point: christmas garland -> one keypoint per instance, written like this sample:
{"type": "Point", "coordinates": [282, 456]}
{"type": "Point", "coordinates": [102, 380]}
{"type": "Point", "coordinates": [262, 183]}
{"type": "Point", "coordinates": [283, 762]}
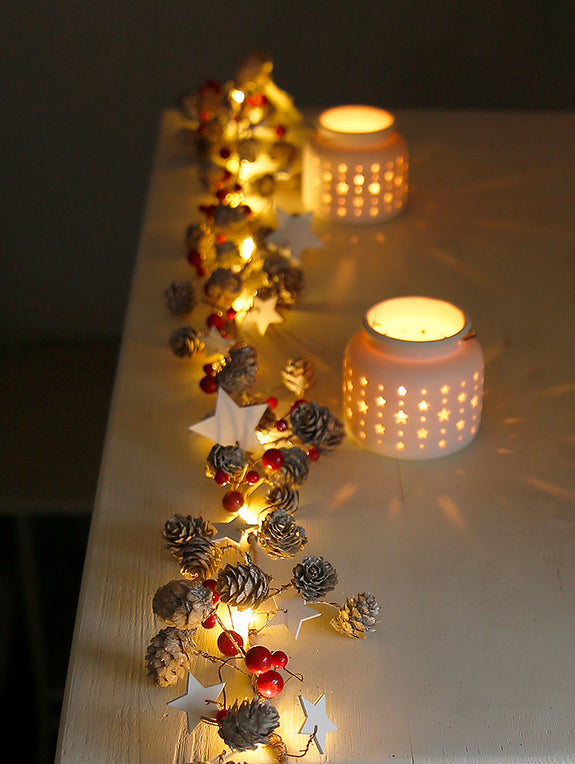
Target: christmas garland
{"type": "Point", "coordinates": [246, 137]}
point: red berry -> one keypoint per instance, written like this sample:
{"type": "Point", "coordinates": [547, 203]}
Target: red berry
{"type": "Point", "coordinates": [252, 477]}
{"type": "Point", "coordinates": [297, 403]}
{"type": "Point", "coordinates": [279, 659]}
{"type": "Point", "coordinates": [209, 370]}
{"type": "Point", "coordinates": [216, 321]}
{"type": "Point", "coordinates": [272, 402]}
{"type": "Point", "coordinates": [313, 454]}
{"type": "Point", "coordinates": [280, 131]}
{"type": "Point", "coordinates": [270, 684]}
{"type": "Point", "coordinates": [281, 425]}
{"type": "Point", "coordinates": [225, 153]}
{"type": "Point", "coordinates": [231, 314]}
{"type": "Point", "coordinates": [210, 583]}
{"type": "Point", "coordinates": [229, 643]}
{"type": "Point", "coordinates": [222, 478]}
{"type": "Point", "coordinates": [258, 659]}
{"type": "Point", "coordinates": [210, 622]}
{"type": "Point", "coordinates": [273, 459]}
{"type": "Point", "coordinates": [208, 385]}
{"type": "Point", "coordinates": [205, 115]}
{"type": "Point", "coordinates": [232, 501]}
{"type": "Point", "coordinates": [222, 713]}
{"type": "Point", "coordinates": [194, 257]}
{"type": "Point", "coordinates": [220, 238]}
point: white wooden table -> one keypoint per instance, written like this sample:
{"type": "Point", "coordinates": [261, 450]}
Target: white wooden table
{"type": "Point", "coordinates": [471, 556]}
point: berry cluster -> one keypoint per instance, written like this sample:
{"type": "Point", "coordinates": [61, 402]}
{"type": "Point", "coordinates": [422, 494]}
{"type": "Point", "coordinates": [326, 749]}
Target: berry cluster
{"type": "Point", "coordinates": [263, 664]}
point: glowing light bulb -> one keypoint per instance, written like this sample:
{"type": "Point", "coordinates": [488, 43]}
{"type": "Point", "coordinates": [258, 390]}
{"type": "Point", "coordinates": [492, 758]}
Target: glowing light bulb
{"type": "Point", "coordinates": [247, 248]}
{"type": "Point", "coordinates": [248, 514]}
{"type": "Point", "coordinates": [238, 96]}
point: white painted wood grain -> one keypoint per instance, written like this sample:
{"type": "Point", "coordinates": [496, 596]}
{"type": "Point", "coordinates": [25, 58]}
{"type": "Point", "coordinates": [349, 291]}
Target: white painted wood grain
{"type": "Point", "coordinates": [471, 557]}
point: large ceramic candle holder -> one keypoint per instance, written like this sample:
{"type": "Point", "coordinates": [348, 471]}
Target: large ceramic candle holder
{"type": "Point", "coordinates": [413, 379]}
{"type": "Point", "coordinates": [355, 166]}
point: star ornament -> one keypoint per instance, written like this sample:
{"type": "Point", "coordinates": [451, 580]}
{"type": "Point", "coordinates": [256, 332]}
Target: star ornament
{"type": "Point", "coordinates": [316, 718]}
{"type": "Point", "coordinates": [215, 344]}
{"type": "Point", "coordinates": [263, 313]}
{"type": "Point", "coordinates": [234, 530]}
{"type": "Point", "coordinates": [231, 424]}
{"type": "Point", "coordinates": [292, 612]}
{"type": "Point", "coordinates": [194, 701]}
{"type": "Point", "coordinates": [294, 233]}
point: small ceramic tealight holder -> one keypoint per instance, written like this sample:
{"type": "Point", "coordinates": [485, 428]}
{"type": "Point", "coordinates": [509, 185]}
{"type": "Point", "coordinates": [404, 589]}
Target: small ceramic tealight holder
{"type": "Point", "coordinates": [355, 166]}
{"type": "Point", "coordinates": [413, 379]}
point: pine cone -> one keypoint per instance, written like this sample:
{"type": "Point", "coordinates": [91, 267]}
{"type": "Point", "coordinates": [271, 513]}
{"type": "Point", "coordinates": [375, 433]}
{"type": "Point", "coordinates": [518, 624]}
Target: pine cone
{"type": "Point", "coordinates": [194, 236]}
{"type": "Point", "coordinates": [295, 468]}
{"type": "Point", "coordinates": [186, 342]}
{"type": "Point", "coordinates": [248, 149]}
{"type": "Point", "coordinates": [179, 530]}
{"type": "Point", "coordinates": [316, 426]}
{"type": "Point", "coordinates": [228, 459]}
{"type": "Point", "coordinates": [243, 586]}
{"type": "Point", "coordinates": [224, 216]}
{"type": "Point", "coordinates": [239, 372]}
{"type": "Point", "coordinates": [298, 375]}
{"type": "Point", "coordinates": [289, 286]}
{"type": "Point", "coordinates": [248, 724]}
{"type": "Point", "coordinates": [223, 287]}
{"type": "Point", "coordinates": [227, 254]}
{"type": "Point", "coordinates": [168, 656]}
{"type": "Point", "coordinates": [357, 616]}
{"type": "Point", "coordinates": [314, 577]}
{"type": "Point", "coordinates": [275, 263]}
{"type": "Point", "coordinates": [282, 497]}
{"type": "Point", "coordinates": [280, 537]}
{"type": "Point", "coordinates": [180, 297]}
{"type": "Point", "coordinates": [182, 604]}
{"type": "Point", "coordinates": [199, 558]}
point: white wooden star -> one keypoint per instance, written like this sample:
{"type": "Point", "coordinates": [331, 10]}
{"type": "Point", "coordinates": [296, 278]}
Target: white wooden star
{"type": "Point", "coordinates": [194, 701]}
{"type": "Point", "coordinates": [216, 344]}
{"type": "Point", "coordinates": [294, 233]}
{"type": "Point", "coordinates": [231, 424]}
{"type": "Point", "coordinates": [316, 716]}
{"type": "Point", "coordinates": [233, 530]}
{"type": "Point", "coordinates": [263, 313]}
{"type": "Point", "coordinates": [292, 612]}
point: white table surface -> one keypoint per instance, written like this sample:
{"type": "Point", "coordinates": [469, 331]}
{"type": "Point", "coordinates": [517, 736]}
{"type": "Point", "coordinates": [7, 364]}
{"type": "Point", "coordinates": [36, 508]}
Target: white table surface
{"type": "Point", "coordinates": [471, 556]}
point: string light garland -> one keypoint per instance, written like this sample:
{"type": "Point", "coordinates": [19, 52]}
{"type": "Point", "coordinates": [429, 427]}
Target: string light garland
{"type": "Point", "coordinates": [245, 135]}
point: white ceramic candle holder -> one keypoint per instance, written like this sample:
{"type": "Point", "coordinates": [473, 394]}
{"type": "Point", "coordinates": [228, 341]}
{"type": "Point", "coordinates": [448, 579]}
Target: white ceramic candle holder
{"type": "Point", "coordinates": [413, 379]}
{"type": "Point", "coordinates": [355, 166]}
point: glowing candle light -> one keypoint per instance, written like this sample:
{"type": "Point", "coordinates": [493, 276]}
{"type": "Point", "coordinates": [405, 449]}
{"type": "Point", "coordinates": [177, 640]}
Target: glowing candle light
{"type": "Point", "coordinates": [355, 166]}
{"type": "Point", "coordinates": [421, 358]}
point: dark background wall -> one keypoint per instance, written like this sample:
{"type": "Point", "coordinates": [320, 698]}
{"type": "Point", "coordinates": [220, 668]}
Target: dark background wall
{"type": "Point", "coordinates": [84, 82]}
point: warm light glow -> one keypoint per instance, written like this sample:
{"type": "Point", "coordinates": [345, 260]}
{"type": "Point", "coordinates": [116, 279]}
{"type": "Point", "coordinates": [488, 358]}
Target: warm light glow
{"type": "Point", "coordinates": [415, 319]}
{"type": "Point", "coordinates": [238, 96]}
{"type": "Point", "coordinates": [241, 621]}
{"type": "Point", "coordinates": [247, 248]}
{"type": "Point", "coordinates": [243, 302]}
{"type": "Point", "coordinates": [353, 120]}
{"type": "Point", "coordinates": [248, 515]}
